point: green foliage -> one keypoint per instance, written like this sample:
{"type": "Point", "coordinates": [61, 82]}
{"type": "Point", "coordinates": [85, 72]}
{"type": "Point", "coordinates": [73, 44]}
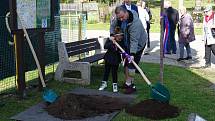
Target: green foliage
{"type": "Point", "coordinates": [66, 1]}
{"type": "Point", "coordinates": [197, 17]}
{"type": "Point", "coordinates": [92, 21]}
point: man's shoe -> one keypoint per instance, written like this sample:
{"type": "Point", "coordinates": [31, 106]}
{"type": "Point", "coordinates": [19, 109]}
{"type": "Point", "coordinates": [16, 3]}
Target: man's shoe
{"type": "Point", "coordinates": [130, 90]}
{"type": "Point", "coordinates": [188, 58]}
{"type": "Point", "coordinates": [125, 86]}
{"type": "Point", "coordinates": [115, 87]}
{"type": "Point", "coordinates": [103, 85]}
{"type": "Point", "coordinates": [180, 59]}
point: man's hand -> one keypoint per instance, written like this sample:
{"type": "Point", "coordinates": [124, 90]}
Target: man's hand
{"type": "Point", "coordinates": [130, 59]}
{"type": "Point", "coordinates": [113, 39]}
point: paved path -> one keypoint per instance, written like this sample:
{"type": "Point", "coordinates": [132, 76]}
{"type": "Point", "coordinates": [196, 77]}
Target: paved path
{"type": "Point", "coordinates": [197, 49]}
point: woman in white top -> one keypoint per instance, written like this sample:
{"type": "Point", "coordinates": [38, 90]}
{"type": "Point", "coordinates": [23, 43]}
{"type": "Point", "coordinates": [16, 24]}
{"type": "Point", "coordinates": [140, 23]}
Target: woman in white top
{"type": "Point", "coordinates": [143, 14]}
{"type": "Point", "coordinates": [209, 37]}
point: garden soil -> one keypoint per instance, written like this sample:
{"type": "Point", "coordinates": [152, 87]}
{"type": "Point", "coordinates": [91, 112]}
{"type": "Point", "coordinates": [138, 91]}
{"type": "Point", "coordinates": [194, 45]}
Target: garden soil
{"type": "Point", "coordinates": [153, 109]}
{"type": "Point", "coordinates": [72, 106]}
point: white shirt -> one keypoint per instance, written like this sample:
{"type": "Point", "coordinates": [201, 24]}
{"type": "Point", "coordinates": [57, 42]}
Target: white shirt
{"type": "Point", "coordinates": [143, 15]}
{"type": "Point", "coordinates": [128, 7]}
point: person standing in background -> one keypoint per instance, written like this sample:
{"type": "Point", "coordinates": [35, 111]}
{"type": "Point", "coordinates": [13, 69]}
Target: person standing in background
{"type": "Point", "coordinates": [208, 34]}
{"type": "Point", "coordinates": [185, 33]}
{"type": "Point", "coordinates": [173, 18]}
{"type": "Point", "coordinates": [143, 15]}
{"type": "Point", "coordinates": [129, 6]}
{"type": "Point", "coordinates": [144, 5]}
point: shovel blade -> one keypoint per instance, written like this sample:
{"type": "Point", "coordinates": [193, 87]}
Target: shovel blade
{"type": "Point", "coordinates": [160, 92]}
{"type": "Point", "coordinates": [49, 96]}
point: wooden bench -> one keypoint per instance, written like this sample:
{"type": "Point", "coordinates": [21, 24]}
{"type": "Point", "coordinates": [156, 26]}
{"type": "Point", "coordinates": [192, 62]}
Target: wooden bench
{"type": "Point", "coordinates": [67, 50]}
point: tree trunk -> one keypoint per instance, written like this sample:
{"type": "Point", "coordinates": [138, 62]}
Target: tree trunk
{"type": "Point", "coordinates": [161, 40]}
{"type": "Point", "coordinates": [181, 3]}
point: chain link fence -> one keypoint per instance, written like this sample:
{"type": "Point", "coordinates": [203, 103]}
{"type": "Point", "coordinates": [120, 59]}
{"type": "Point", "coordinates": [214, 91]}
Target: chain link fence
{"type": "Point", "coordinates": [69, 28]}
{"type": "Point", "coordinates": [7, 61]}
{"type": "Point", "coordinates": [7, 56]}
{"type": "Point", "coordinates": [73, 27]}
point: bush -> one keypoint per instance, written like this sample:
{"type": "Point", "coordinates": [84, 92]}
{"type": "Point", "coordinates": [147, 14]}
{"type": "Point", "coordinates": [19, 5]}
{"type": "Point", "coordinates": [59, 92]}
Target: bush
{"type": "Point", "coordinates": [197, 17]}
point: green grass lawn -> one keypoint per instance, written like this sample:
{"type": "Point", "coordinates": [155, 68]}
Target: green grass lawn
{"type": "Point", "coordinates": [98, 26]}
{"type": "Point", "coordinates": [189, 90]}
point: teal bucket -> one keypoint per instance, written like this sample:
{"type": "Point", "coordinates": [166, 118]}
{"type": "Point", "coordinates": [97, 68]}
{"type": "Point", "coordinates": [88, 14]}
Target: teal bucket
{"type": "Point", "coordinates": [49, 96]}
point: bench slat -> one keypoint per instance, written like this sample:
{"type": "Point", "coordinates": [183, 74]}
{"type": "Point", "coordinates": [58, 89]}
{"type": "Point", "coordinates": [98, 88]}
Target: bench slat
{"type": "Point", "coordinates": [81, 42]}
{"type": "Point", "coordinates": [81, 50]}
{"type": "Point", "coordinates": [93, 58]}
{"type": "Point", "coordinates": [82, 46]}
{"type": "Point", "coordinates": [79, 47]}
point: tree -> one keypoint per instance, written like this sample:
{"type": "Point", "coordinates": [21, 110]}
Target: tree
{"type": "Point", "coordinates": [161, 40]}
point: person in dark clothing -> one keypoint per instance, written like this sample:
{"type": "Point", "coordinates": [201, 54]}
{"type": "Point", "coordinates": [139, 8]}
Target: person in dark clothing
{"type": "Point", "coordinates": [112, 60]}
{"type": "Point", "coordinates": [129, 6]}
{"type": "Point", "coordinates": [173, 18]}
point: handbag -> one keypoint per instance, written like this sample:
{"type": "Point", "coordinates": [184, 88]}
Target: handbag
{"type": "Point", "coordinates": [213, 32]}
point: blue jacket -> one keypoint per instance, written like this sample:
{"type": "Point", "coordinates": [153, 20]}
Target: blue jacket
{"type": "Point", "coordinates": [133, 7]}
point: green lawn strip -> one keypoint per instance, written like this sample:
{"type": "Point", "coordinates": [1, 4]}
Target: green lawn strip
{"type": "Point", "coordinates": [98, 26]}
{"type": "Point", "coordinates": [189, 91]}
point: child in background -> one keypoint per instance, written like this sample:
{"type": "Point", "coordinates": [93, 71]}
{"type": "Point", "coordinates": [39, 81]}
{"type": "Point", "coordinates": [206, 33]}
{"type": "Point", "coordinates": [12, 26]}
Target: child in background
{"type": "Point", "coordinates": [112, 60]}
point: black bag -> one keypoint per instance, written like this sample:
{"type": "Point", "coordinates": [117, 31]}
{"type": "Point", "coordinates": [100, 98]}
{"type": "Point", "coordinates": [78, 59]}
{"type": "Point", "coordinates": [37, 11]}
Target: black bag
{"type": "Point", "coordinates": [213, 32]}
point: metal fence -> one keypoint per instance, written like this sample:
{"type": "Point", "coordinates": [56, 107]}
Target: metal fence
{"type": "Point", "coordinates": [7, 56]}
{"type": "Point", "coordinates": [69, 28]}
{"type": "Point", "coordinates": [73, 27]}
{"type": "Point", "coordinates": [7, 61]}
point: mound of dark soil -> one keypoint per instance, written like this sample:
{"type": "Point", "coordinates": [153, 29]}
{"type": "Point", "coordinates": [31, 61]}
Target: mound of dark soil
{"type": "Point", "coordinates": [153, 109]}
{"type": "Point", "coordinates": [72, 106]}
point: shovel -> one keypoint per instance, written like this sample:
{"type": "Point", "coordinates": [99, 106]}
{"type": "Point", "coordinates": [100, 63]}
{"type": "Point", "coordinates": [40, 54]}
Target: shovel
{"type": "Point", "coordinates": [158, 91]}
{"type": "Point", "coordinates": [48, 94]}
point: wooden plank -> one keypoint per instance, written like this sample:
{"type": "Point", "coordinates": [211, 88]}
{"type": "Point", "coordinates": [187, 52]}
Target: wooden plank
{"type": "Point", "coordinates": [76, 52]}
{"type": "Point", "coordinates": [78, 47]}
{"type": "Point", "coordinates": [81, 42]}
{"type": "Point", "coordinates": [93, 58]}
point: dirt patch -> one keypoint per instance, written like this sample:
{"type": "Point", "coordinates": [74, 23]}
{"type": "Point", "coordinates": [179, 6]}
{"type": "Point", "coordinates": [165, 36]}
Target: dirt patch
{"type": "Point", "coordinates": [72, 106]}
{"type": "Point", "coordinates": [153, 109]}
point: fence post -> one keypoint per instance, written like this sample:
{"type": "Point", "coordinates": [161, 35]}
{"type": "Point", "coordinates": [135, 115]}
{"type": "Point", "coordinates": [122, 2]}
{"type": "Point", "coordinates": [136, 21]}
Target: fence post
{"type": "Point", "coordinates": [41, 56]}
{"type": "Point", "coordinates": [20, 72]}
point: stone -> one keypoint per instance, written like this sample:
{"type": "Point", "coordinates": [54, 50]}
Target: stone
{"type": "Point", "coordinates": [195, 117]}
